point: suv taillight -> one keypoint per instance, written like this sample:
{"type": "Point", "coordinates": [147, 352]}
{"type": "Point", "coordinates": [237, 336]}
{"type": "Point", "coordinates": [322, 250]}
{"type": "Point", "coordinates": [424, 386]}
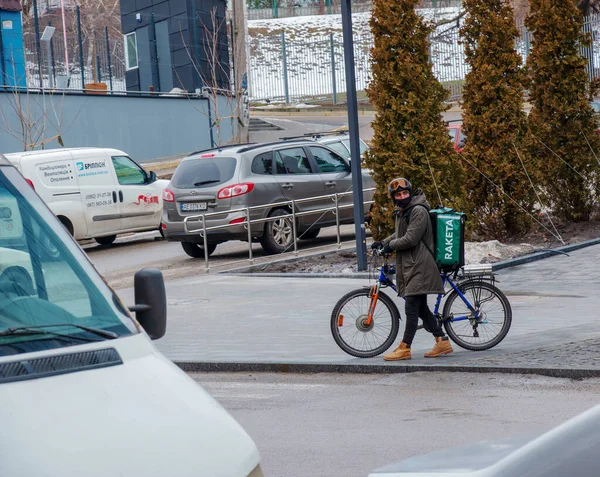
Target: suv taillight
{"type": "Point", "coordinates": [168, 196]}
{"type": "Point", "coordinates": [235, 190]}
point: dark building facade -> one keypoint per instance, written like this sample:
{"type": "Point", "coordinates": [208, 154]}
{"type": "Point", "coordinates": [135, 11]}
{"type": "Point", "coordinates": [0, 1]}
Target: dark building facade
{"type": "Point", "coordinates": [175, 44]}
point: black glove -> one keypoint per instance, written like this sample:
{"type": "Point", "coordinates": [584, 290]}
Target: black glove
{"type": "Point", "coordinates": [377, 244]}
{"type": "Point", "coordinates": [387, 249]}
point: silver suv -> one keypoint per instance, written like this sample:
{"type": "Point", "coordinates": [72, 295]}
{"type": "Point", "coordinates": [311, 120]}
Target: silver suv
{"type": "Point", "coordinates": [339, 142]}
{"type": "Point", "coordinates": [336, 140]}
{"type": "Point", "coordinates": [247, 175]}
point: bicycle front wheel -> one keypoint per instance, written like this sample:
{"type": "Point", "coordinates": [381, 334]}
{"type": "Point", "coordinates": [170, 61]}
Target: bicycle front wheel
{"type": "Point", "coordinates": [481, 328]}
{"type": "Point", "coordinates": [350, 328]}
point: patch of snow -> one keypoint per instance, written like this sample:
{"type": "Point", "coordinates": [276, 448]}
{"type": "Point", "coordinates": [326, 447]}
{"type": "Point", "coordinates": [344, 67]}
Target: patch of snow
{"type": "Point", "coordinates": [493, 251]}
{"type": "Point", "coordinates": [281, 104]}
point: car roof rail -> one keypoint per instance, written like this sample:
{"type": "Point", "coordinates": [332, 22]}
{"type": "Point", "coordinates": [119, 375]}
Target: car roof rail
{"type": "Point", "coordinates": [317, 135]}
{"type": "Point", "coordinates": [264, 144]}
{"type": "Point", "coordinates": [289, 138]}
{"type": "Point", "coordinates": [219, 148]}
{"type": "Point", "coordinates": [341, 132]}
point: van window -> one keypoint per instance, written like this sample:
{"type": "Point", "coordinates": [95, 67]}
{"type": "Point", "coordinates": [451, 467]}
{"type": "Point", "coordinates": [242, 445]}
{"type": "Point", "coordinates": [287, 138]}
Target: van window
{"type": "Point", "coordinates": [128, 172]}
{"type": "Point", "coordinates": [45, 279]}
{"type": "Point", "coordinates": [203, 172]}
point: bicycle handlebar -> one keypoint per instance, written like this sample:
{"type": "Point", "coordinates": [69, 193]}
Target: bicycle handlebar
{"type": "Point", "coordinates": [379, 253]}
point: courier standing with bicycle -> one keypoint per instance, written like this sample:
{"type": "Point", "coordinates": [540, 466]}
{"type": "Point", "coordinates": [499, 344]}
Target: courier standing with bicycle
{"type": "Point", "coordinates": [417, 274]}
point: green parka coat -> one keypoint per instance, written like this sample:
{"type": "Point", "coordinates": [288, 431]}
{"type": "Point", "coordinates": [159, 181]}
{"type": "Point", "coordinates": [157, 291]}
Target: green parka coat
{"type": "Point", "coordinates": [416, 270]}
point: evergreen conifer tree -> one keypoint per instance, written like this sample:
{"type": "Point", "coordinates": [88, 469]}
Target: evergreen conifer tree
{"type": "Point", "coordinates": [561, 121]}
{"type": "Point", "coordinates": [409, 137]}
{"type": "Point", "coordinates": [494, 121]}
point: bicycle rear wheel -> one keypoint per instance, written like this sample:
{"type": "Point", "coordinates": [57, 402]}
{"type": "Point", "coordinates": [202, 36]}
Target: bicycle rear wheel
{"type": "Point", "coordinates": [494, 316]}
{"type": "Point", "coordinates": [349, 328]}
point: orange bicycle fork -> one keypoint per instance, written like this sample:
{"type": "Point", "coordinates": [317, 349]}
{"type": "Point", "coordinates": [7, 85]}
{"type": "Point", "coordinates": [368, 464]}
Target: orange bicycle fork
{"type": "Point", "coordinates": [374, 295]}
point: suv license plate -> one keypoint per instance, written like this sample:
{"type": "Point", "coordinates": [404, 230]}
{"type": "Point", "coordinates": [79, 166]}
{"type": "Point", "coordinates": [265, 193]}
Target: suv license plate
{"type": "Point", "coordinates": [193, 206]}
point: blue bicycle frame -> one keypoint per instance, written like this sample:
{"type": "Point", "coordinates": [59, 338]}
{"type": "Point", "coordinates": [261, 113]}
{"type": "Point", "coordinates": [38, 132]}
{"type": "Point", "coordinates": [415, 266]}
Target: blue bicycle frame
{"type": "Point", "coordinates": [384, 280]}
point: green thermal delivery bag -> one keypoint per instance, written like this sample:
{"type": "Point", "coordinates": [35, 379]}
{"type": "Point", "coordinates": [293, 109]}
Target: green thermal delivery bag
{"type": "Point", "coordinates": [448, 238]}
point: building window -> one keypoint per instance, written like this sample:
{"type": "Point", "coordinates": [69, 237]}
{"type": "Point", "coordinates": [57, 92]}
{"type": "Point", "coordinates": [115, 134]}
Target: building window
{"type": "Point", "coordinates": [131, 56]}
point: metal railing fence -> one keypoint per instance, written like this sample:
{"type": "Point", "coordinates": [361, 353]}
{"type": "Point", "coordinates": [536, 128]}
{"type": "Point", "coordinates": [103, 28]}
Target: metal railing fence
{"type": "Point", "coordinates": [283, 69]}
{"type": "Point", "coordinates": [248, 222]}
{"type": "Point", "coordinates": [92, 60]}
{"type": "Point", "coordinates": [286, 69]}
{"type": "Point", "coordinates": [278, 9]}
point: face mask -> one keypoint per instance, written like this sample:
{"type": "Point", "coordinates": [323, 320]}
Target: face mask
{"type": "Point", "coordinates": [403, 203]}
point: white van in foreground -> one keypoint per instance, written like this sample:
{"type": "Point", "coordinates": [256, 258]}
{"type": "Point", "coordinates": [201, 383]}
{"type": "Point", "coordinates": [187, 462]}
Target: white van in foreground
{"type": "Point", "coordinates": [83, 392]}
{"type": "Point", "coordinates": [95, 192]}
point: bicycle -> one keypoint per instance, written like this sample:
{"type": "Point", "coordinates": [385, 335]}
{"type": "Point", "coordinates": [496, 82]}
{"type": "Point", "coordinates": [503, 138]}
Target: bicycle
{"type": "Point", "coordinates": [375, 327]}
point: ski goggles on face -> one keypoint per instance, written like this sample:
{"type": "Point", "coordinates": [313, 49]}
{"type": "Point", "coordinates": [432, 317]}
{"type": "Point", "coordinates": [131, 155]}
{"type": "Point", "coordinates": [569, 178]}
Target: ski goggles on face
{"type": "Point", "coordinates": [399, 184]}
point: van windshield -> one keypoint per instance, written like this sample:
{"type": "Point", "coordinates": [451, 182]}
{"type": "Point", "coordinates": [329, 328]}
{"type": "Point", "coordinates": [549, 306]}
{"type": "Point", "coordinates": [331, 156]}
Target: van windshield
{"type": "Point", "coordinates": [46, 280]}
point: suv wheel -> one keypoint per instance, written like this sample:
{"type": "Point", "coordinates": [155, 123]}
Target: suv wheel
{"type": "Point", "coordinates": [195, 250]}
{"type": "Point", "coordinates": [279, 235]}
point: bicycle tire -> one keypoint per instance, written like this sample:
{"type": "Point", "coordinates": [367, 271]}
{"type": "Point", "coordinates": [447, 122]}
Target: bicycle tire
{"type": "Point", "coordinates": [494, 292]}
{"type": "Point", "coordinates": [380, 342]}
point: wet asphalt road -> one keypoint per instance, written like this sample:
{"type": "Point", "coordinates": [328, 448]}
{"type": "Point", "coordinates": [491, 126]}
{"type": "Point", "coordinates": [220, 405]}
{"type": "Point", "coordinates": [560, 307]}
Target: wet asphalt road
{"type": "Point", "coordinates": [119, 262]}
{"type": "Point", "coordinates": [348, 425]}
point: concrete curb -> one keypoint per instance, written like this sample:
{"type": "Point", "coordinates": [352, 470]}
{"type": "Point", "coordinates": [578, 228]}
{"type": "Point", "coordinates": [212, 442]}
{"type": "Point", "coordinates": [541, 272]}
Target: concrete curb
{"type": "Point", "coordinates": [551, 252]}
{"type": "Point", "coordinates": [312, 368]}
{"type": "Point", "coordinates": [512, 262]}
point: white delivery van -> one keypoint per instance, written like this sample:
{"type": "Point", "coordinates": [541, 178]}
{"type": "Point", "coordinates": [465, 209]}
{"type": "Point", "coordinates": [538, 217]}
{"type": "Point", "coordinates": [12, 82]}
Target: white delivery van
{"type": "Point", "coordinates": [83, 392]}
{"type": "Point", "coordinates": [95, 192]}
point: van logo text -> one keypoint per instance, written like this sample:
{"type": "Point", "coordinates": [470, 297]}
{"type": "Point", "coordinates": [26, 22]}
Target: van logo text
{"type": "Point", "coordinates": [146, 200]}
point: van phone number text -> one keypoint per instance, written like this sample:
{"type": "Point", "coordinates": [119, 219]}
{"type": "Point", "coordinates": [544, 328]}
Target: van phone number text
{"type": "Point", "coordinates": [98, 200]}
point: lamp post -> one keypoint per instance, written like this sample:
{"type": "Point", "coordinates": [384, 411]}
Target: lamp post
{"type": "Point", "coordinates": [359, 214]}
{"type": "Point", "coordinates": [64, 24]}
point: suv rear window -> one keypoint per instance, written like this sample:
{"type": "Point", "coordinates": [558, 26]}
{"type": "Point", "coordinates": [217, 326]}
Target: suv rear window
{"type": "Point", "coordinates": [263, 164]}
{"type": "Point", "coordinates": [203, 172]}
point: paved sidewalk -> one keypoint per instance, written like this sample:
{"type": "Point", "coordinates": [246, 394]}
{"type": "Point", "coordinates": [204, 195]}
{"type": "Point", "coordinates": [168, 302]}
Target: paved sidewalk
{"type": "Point", "coordinates": [249, 322]}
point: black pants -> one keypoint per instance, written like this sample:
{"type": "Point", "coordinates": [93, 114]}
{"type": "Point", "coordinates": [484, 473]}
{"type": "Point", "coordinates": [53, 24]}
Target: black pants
{"type": "Point", "coordinates": [416, 306]}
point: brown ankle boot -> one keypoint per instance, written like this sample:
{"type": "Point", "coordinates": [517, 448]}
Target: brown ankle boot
{"type": "Point", "coordinates": [400, 353]}
{"type": "Point", "coordinates": [442, 346]}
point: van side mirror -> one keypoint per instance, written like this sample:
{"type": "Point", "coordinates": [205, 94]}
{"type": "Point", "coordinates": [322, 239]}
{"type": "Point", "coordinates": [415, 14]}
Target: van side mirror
{"type": "Point", "coordinates": [150, 302]}
{"type": "Point", "coordinates": [151, 177]}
